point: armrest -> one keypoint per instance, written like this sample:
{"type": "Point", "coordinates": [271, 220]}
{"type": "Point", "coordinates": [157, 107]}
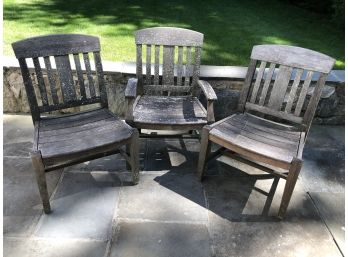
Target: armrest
{"type": "Point", "coordinates": [207, 90]}
{"type": "Point", "coordinates": [130, 93]}
{"type": "Point", "coordinates": [131, 89]}
{"type": "Point", "coordinates": [211, 97]}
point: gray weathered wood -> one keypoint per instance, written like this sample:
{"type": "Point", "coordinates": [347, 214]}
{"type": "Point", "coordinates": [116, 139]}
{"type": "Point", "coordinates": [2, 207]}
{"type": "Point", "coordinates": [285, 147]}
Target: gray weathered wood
{"type": "Point", "coordinates": [196, 70]}
{"type": "Point", "coordinates": [303, 93]}
{"type": "Point", "coordinates": [148, 65]}
{"type": "Point", "coordinates": [51, 80]}
{"type": "Point", "coordinates": [279, 88]}
{"type": "Point", "coordinates": [247, 84]}
{"type": "Point", "coordinates": [157, 60]}
{"type": "Point", "coordinates": [293, 90]}
{"type": "Point", "coordinates": [100, 77]}
{"type": "Point", "coordinates": [41, 180]}
{"type": "Point", "coordinates": [134, 156]}
{"type": "Point", "coordinates": [257, 83]}
{"type": "Point", "coordinates": [168, 65]}
{"type": "Point", "coordinates": [272, 112]}
{"type": "Point", "coordinates": [69, 104]}
{"type": "Point", "coordinates": [205, 151]}
{"type": "Point", "coordinates": [311, 108]}
{"type": "Point", "coordinates": [169, 88]}
{"type": "Point", "coordinates": [52, 45]}
{"type": "Point", "coordinates": [291, 180]}
{"type": "Point", "coordinates": [162, 113]}
{"type": "Point", "coordinates": [169, 111]}
{"type": "Point", "coordinates": [65, 78]}
{"type": "Point", "coordinates": [68, 139]}
{"type": "Point", "coordinates": [80, 76]}
{"type": "Point", "coordinates": [207, 90]}
{"type": "Point", "coordinates": [266, 84]}
{"type": "Point", "coordinates": [131, 89]}
{"type": "Point", "coordinates": [89, 75]}
{"type": "Point", "coordinates": [168, 36]}
{"type": "Point", "coordinates": [139, 69]}
{"type": "Point", "coordinates": [262, 141]}
{"type": "Point", "coordinates": [180, 66]}
{"type": "Point", "coordinates": [188, 66]}
{"type": "Point", "coordinates": [34, 108]}
{"type": "Point", "coordinates": [293, 56]}
{"type": "Point", "coordinates": [41, 82]}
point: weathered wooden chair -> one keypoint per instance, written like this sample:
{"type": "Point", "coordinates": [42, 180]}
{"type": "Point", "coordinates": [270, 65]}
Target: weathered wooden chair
{"type": "Point", "coordinates": [62, 140]}
{"type": "Point", "coordinates": [170, 102]}
{"type": "Point", "coordinates": [273, 122]}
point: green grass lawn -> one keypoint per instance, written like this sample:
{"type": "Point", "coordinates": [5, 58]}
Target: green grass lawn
{"type": "Point", "coordinates": [231, 27]}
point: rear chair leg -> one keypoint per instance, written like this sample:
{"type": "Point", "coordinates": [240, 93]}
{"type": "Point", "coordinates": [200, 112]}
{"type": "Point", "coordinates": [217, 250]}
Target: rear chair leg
{"type": "Point", "coordinates": [289, 186]}
{"type": "Point", "coordinates": [134, 156]}
{"type": "Point", "coordinates": [41, 180]}
{"type": "Point", "coordinates": [204, 152]}
{"type": "Point", "coordinates": [128, 166]}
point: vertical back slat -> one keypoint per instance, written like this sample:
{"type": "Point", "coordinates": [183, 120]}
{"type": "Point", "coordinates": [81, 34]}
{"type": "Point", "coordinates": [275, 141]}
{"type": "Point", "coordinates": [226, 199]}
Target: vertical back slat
{"type": "Point", "coordinates": [196, 69]}
{"type": "Point", "coordinates": [100, 75]}
{"type": "Point", "coordinates": [293, 90]}
{"type": "Point", "coordinates": [148, 65]}
{"type": "Point", "coordinates": [179, 66]}
{"type": "Point", "coordinates": [51, 80]}
{"type": "Point", "coordinates": [168, 65]}
{"type": "Point", "coordinates": [267, 83]}
{"type": "Point", "coordinates": [40, 81]}
{"type": "Point", "coordinates": [311, 108]}
{"type": "Point", "coordinates": [258, 82]}
{"type": "Point", "coordinates": [80, 76]}
{"type": "Point", "coordinates": [279, 88]}
{"type": "Point", "coordinates": [65, 77]}
{"type": "Point", "coordinates": [187, 67]}
{"type": "Point", "coordinates": [35, 113]}
{"type": "Point", "coordinates": [89, 74]}
{"type": "Point", "coordinates": [303, 93]}
{"type": "Point", "coordinates": [157, 55]}
{"type": "Point", "coordinates": [139, 68]}
{"type": "Point", "coordinates": [247, 83]}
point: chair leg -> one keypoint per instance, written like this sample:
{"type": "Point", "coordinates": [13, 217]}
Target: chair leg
{"type": "Point", "coordinates": [41, 180]}
{"type": "Point", "coordinates": [134, 156]}
{"type": "Point", "coordinates": [128, 147]}
{"type": "Point", "coordinates": [289, 186]}
{"type": "Point", "coordinates": [204, 152]}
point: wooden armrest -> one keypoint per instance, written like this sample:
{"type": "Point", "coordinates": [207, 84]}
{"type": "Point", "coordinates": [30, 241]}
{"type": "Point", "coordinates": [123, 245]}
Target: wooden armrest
{"type": "Point", "coordinates": [211, 97]}
{"type": "Point", "coordinates": [207, 90]}
{"type": "Point", "coordinates": [131, 89]}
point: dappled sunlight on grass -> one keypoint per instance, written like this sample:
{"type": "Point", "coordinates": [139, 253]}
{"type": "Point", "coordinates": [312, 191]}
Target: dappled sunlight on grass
{"type": "Point", "coordinates": [231, 28]}
{"type": "Point", "coordinates": [275, 40]}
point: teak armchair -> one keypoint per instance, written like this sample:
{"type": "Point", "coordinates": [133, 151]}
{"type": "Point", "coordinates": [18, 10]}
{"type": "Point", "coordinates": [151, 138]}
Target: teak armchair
{"type": "Point", "coordinates": [273, 120]}
{"type": "Point", "coordinates": [63, 140]}
{"type": "Point", "coordinates": [168, 102]}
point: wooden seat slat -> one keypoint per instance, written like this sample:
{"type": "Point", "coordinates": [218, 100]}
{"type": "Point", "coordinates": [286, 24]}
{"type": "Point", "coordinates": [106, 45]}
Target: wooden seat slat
{"type": "Point", "coordinates": [169, 110]}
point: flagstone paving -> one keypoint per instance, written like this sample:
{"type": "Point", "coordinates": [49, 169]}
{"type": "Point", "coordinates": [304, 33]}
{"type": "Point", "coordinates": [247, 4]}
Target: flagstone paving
{"type": "Point", "coordinates": [97, 212]}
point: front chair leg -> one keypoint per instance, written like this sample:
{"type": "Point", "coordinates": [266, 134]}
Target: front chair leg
{"type": "Point", "coordinates": [204, 152]}
{"type": "Point", "coordinates": [291, 180]}
{"type": "Point", "coordinates": [134, 156]}
{"type": "Point", "coordinates": [41, 180]}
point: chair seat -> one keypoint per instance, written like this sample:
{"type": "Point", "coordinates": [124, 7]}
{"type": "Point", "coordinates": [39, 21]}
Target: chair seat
{"type": "Point", "coordinates": [173, 110]}
{"type": "Point", "coordinates": [80, 133]}
{"type": "Point", "coordinates": [250, 134]}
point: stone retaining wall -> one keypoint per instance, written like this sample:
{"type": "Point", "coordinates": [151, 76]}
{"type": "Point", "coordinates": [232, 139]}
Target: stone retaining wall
{"type": "Point", "coordinates": [330, 109]}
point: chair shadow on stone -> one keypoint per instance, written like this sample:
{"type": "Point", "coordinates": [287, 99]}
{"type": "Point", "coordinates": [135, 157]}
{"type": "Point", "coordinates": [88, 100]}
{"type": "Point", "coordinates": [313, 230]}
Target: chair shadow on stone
{"type": "Point", "coordinates": [172, 155]}
{"type": "Point", "coordinates": [233, 190]}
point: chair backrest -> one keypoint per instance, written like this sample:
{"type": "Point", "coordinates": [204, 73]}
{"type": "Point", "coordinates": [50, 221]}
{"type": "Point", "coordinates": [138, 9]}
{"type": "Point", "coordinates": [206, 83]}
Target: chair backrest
{"type": "Point", "coordinates": [52, 87]}
{"type": "Point", "coordinates": [181, 55]}
{"type": "Point", "coordinates": [284, 75]}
